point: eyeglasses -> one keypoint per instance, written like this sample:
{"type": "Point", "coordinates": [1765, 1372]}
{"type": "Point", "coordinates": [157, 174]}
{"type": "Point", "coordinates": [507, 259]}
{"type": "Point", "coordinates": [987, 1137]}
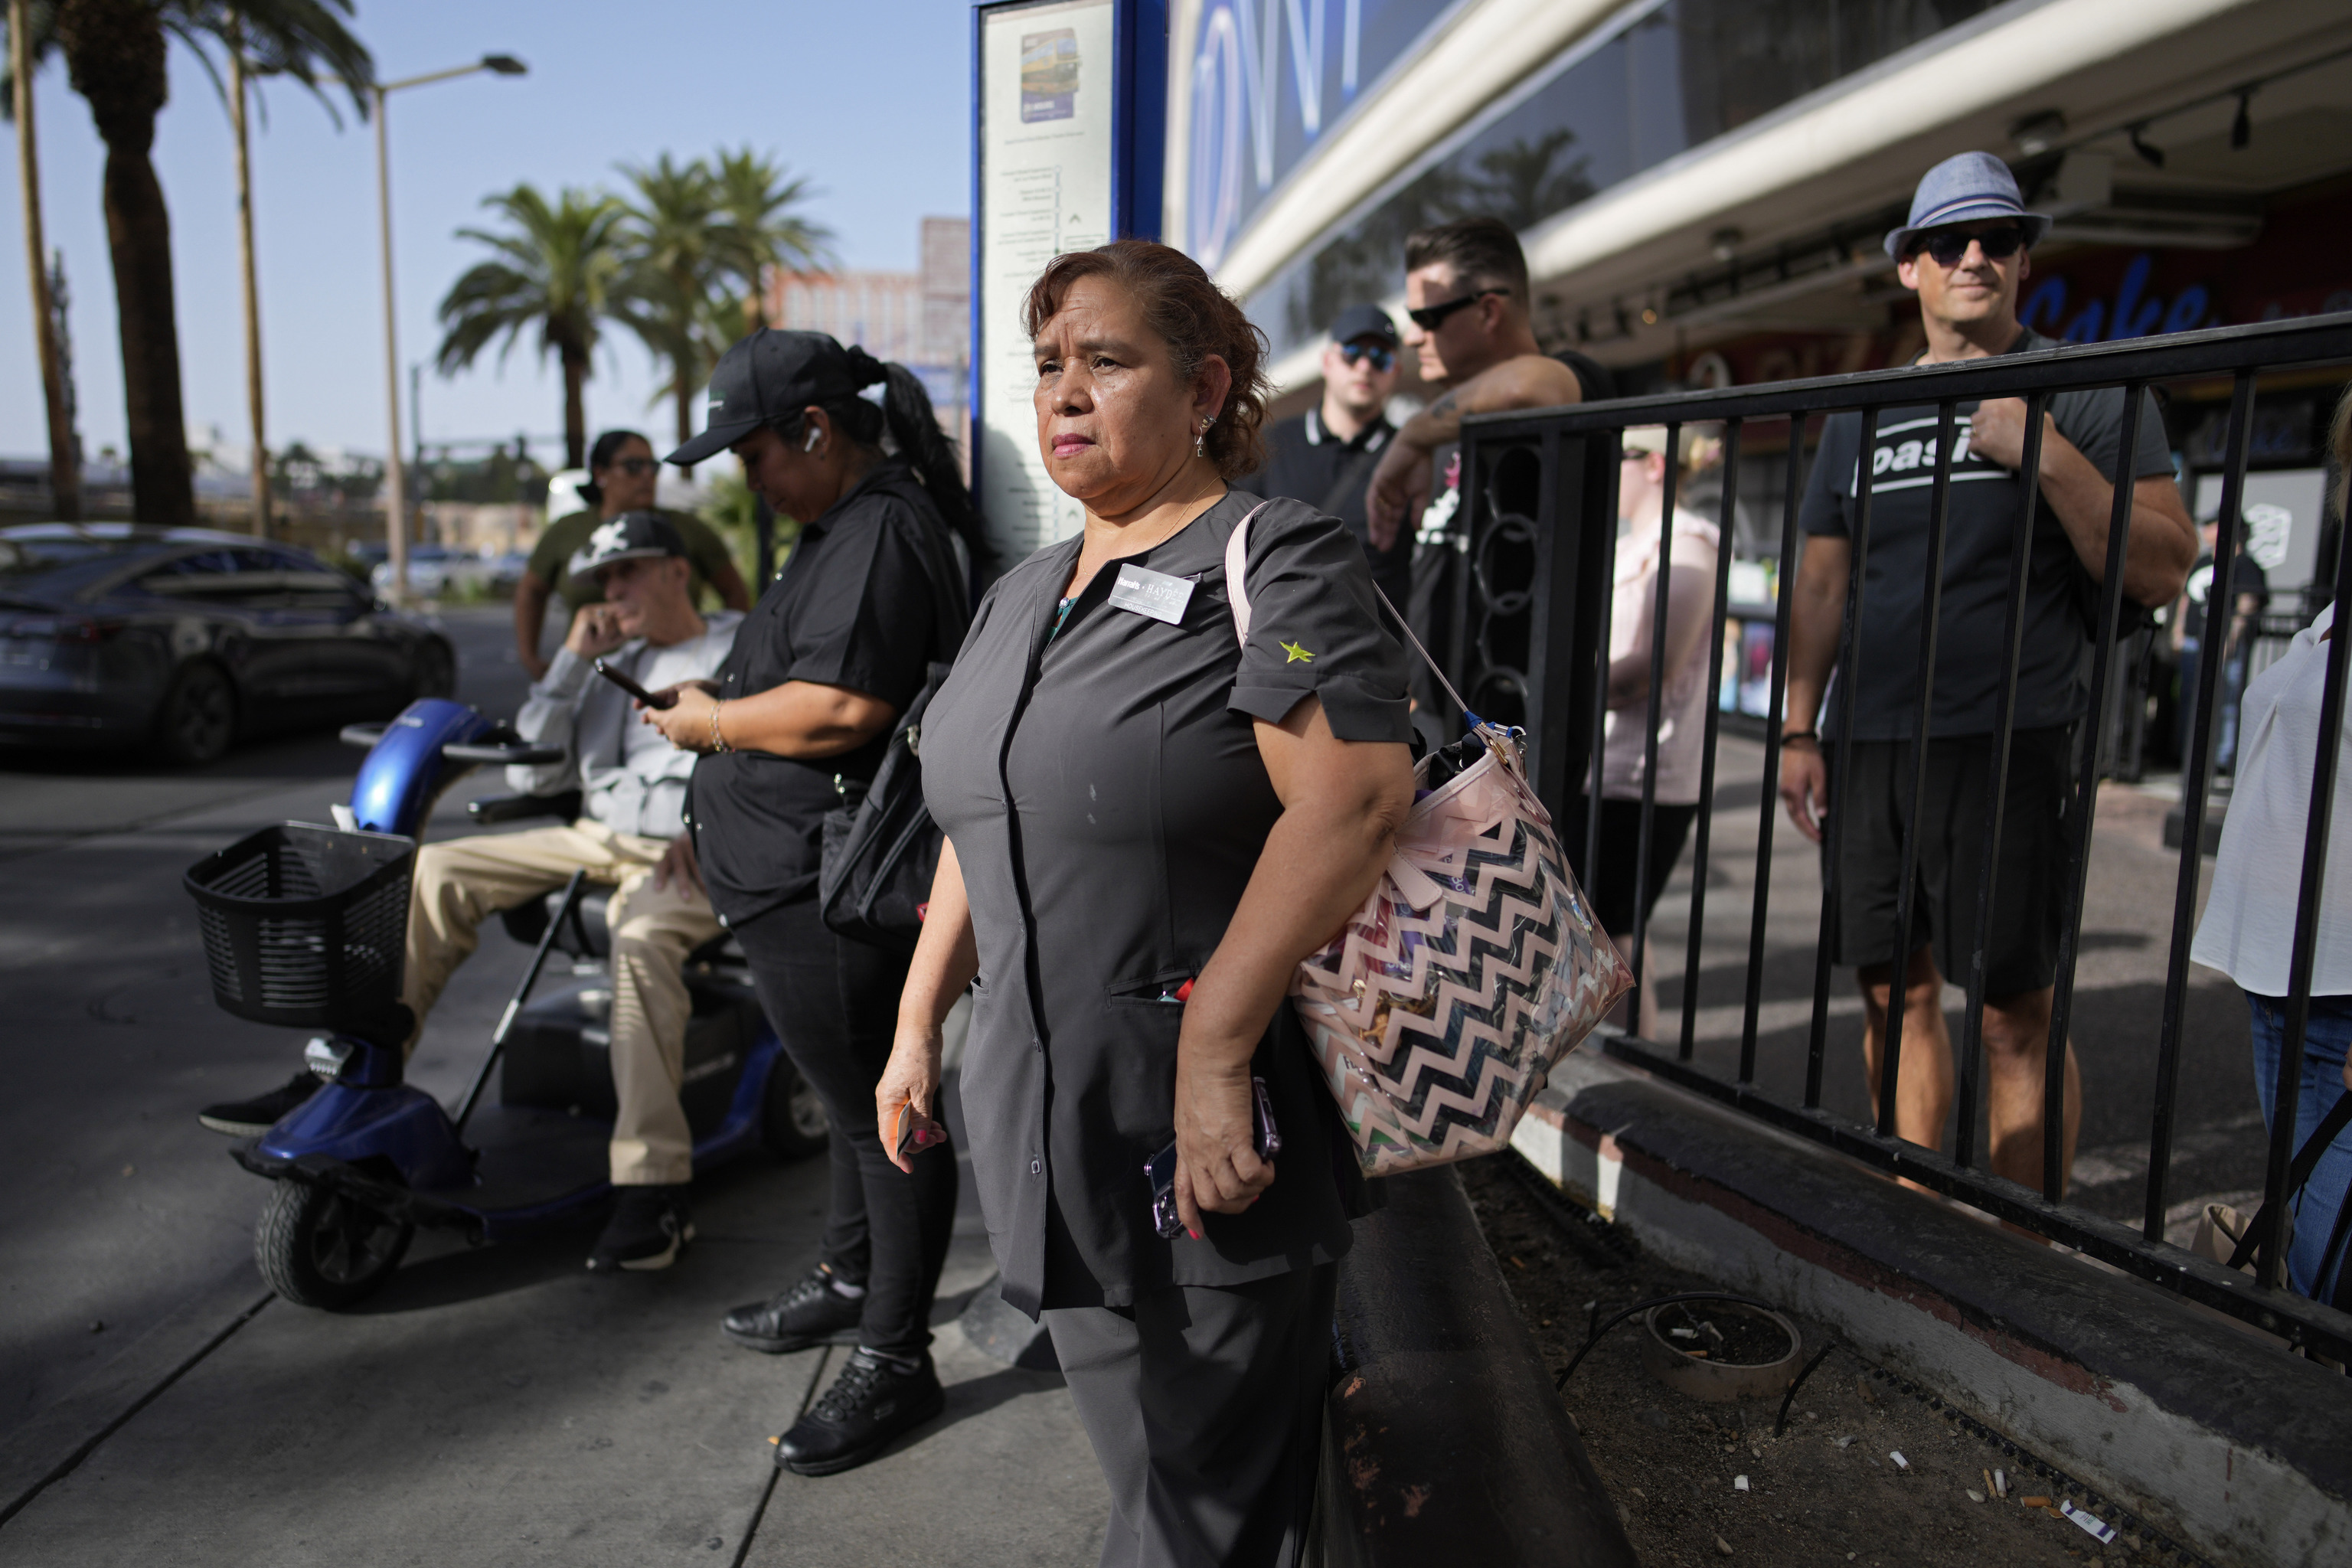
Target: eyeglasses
{"type": "Point", "coordinates": [1429, 318]}
{"type": "Point", "coordinates": [1383, 359]}
{"type": "Point", "coordinates": [635, 468]}
{"type": "Point", "coordinates": [1947, 247]}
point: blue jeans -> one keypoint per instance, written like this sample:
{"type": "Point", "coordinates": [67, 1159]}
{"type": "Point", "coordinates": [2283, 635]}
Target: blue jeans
{"type": "Point", "coordinates": [2233, 688]}
{"type": "Point", "coordinates": [2325, 1042]}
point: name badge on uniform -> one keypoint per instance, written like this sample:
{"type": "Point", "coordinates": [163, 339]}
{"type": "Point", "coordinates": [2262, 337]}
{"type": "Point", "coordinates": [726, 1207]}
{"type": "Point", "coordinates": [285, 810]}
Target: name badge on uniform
{"type": "Point", "coordinates": [1153, 593]}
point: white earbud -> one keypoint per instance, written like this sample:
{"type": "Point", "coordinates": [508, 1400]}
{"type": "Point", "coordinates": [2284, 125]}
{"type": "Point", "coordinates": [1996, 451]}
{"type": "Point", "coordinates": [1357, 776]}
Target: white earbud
{"type": "Point", "coordinates": [809, 444]}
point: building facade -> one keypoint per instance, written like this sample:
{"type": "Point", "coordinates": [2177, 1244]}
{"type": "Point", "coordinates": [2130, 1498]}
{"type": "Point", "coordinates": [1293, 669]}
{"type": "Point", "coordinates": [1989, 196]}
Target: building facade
{"type": "Point", "coordinates": [922, 319]}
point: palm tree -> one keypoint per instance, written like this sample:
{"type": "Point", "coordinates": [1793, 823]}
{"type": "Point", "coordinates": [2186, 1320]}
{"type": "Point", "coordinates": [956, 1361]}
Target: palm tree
{"type": "Point", "coordinates": [679, 239]}
{"type": "Point", "coordinates": [763, 230]}
{"type": "Point", "coordinates": [115, 57]}
{"type": "Point", "coordinates": [554, 272]}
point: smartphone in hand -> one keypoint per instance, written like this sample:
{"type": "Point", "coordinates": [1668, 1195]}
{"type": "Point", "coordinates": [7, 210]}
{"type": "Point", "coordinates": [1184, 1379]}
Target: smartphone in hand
{"type": "Point", "coordinates": [666, 699]}
{"type": "Point", "coordinates": [1160, 1173]}
{"type": "Point", "coordinates": [912, 1131]}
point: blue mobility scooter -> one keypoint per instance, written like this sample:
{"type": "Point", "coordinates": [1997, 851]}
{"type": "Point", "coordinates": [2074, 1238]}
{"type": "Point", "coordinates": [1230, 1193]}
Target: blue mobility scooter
{"type": "Point", "coordinates": [305, 926]}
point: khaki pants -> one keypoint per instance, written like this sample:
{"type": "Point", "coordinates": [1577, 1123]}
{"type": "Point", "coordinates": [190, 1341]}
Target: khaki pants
{"type": "Point", "coordinates": [461, 883]}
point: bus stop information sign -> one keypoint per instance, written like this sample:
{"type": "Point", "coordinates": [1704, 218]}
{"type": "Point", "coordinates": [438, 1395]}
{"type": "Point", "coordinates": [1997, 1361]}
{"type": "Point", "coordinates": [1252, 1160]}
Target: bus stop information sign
{"type": "Point", "coordinates": [1069, 109]}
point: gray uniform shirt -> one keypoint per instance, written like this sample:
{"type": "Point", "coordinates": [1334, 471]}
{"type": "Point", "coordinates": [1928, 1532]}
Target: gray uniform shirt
{"type": "Point", "coordinates": [1104, 793]}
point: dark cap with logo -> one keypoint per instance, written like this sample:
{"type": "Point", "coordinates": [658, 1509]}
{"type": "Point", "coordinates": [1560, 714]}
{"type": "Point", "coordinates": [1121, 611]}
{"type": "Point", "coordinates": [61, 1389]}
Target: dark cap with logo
{"type": "Point", "coordinates": [771, 376]}
{"type": "Point", "coordinates": [632, 536]}
{"type": "Point", "coordinates": [1364, 321]}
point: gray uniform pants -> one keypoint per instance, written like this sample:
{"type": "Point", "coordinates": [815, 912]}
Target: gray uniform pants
{"type": "Point", "coordinates": [1205, 1408]}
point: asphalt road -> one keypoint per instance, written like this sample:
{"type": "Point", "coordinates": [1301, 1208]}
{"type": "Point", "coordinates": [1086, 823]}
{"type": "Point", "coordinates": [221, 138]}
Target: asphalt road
{"type": "Point", "coordinates": [494, 1407]}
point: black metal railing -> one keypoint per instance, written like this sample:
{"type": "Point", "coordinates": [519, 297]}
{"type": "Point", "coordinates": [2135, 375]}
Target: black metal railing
{"type": "Point", "coordinates": [1530, 634]}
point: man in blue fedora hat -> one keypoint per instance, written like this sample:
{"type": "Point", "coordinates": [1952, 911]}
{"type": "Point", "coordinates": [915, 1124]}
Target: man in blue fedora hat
{"type": "Point", "coordinates": [1964, 251]}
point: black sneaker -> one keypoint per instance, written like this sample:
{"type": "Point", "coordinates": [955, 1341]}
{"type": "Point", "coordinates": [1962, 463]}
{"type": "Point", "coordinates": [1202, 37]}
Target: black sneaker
{"type": "Point", "coordinates": [870, 1405]}
{"type": "Point", "coordinates": [252, 1118]}
{"type": "Point", "coordinates": [811, 1313]}
{"type": "Point", "coordinates": [649, 1228]}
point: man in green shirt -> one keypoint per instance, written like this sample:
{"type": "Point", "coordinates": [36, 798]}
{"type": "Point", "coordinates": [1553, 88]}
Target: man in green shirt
{"type": "Point", "coordinates": [621, 474]}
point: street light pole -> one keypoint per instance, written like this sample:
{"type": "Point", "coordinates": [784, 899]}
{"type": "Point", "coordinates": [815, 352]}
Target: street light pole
{"type": "Point", "coordinates": [236, 113]}
{"type": "Point", "coordinates": [396, 508]}
{"type": "Point", "coordinates": [65, 456]}
{"type": "Point", "coordinates": [395, 516]}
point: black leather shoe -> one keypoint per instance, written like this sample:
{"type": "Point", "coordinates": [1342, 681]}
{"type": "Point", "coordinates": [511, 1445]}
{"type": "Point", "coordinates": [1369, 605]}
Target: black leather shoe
{"type": "Point", "coordinates": [252, 1118]}
{"type": "Point", "coordinates": [811, 1313]}
{"type": "Point", "coordinates": [870, 1405]}
{"type": "Point", "coordinates": [649, 1228]}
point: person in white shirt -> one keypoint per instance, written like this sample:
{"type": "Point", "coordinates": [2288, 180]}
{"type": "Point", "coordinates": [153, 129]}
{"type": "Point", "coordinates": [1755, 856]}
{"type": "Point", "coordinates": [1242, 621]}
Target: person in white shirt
{"type": "Point", "coordinates": [1682, 708]}
{"type": "Point", "coordinates": [2248, 929]}
{"type": "Point", "coordinates": [629, 836]}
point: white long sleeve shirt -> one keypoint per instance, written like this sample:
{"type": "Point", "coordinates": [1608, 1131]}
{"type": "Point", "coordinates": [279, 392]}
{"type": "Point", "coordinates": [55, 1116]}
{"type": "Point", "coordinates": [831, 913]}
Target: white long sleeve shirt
{"type": "Point", "coordinates": [630, 777]}
{"type": "Point", "coordinates": [2248, 931]}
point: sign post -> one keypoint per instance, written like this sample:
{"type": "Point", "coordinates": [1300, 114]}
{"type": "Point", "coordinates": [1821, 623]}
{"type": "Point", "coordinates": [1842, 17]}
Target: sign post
{"type": "Point", "coordinates": [1069, 134]}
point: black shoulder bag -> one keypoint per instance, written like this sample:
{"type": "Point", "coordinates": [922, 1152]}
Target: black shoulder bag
{"type": "Point", "coordinates": [880, 846]}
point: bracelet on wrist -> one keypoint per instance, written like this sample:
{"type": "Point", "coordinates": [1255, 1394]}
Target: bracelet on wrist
{"type": "Point", "coordinates": [1811, 735]}
{"type": "Point", "coordinates": [718, 739]}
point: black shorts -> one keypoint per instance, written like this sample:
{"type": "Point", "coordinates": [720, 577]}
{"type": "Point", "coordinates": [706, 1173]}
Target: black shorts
{"type": "Point", "coordinates": [1611, 891]}
{"type": "Point", "coordinates": [2021, 952]}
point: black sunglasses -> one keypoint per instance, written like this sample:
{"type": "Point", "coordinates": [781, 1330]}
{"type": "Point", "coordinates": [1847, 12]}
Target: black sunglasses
{"type": "Point", "coordinates": [1383, 359]}
{"type": "Point", "coordinates": [1947, 248]}
{"type": "Point", "coordinates": [635, 468]}
{"type": "Point", "coordinates": [1429, 318]}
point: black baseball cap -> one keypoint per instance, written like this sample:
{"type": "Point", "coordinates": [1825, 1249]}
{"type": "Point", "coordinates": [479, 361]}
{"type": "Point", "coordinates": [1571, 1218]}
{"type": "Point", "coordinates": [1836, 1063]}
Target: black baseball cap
{"type": "Point", "coordinates": [1364, 321]}
{"type": "Point", "coordinates": [771, 376]}
{"type": "Point", "coordinates": [632, 536]}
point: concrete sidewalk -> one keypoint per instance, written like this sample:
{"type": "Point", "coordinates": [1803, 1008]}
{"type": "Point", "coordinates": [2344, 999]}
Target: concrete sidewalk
{"type": "Point", "coordinates": [495, 1407]}
{"type": "Point", "coordinates": [501, 1406]}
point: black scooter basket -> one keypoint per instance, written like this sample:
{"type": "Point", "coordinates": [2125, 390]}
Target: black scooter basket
{"type": "Point", "coordinates": [305, 926]}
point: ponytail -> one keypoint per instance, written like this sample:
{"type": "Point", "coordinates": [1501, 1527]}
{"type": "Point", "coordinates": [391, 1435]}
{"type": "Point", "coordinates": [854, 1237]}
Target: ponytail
{"type": "Point", "coordinates": [905, 412]}
{"type": "Point", "coordinates": [916, 428]}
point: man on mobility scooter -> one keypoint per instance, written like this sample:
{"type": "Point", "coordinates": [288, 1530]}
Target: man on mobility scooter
{"type": "Point", "coordinates": [630, 835]}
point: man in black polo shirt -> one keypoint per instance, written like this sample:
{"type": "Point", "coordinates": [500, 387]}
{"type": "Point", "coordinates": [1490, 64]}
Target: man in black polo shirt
{"type": "Point", "coordinates": [1325, 456]}
{"type": "Point", "coordinates": [1964, 253]}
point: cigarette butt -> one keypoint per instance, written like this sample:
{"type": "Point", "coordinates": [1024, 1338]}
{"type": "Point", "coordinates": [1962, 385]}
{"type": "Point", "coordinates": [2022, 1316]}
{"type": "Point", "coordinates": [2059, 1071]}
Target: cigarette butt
{"type": "Point", "coordinates": [1900, 1462]}
{"type": "Point", "coordinates": [2001, 1483]}
{"type": "Point", "coordinates": [2033, 1502]}
{"type": "Point", "coordinates": [1987, 1481]}
{"type": "Point", "coordinates": [1517, 1264]}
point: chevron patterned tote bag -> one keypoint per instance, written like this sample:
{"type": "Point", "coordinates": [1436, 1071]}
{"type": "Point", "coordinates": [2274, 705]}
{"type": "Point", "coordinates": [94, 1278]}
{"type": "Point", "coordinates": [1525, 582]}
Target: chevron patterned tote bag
{"type": "Point", "coordinates": [1473, 967]}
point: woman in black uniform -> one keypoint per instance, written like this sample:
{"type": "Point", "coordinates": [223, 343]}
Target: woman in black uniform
{"type": "Point", "coordinates": [835, 648]}
{"type": "Point", "coordinates": [1149, 826]}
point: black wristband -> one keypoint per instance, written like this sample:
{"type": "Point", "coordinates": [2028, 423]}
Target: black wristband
{"type": "Point", "coordinates": [1800, 735]}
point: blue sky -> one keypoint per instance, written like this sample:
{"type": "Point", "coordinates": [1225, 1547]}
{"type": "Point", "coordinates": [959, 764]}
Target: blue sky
{"type": "Point", "coordinates": [870, 98]}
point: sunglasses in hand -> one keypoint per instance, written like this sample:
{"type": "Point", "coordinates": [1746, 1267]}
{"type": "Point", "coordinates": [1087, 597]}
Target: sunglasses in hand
{"type": "Point", "coordinates": [1948, 248]}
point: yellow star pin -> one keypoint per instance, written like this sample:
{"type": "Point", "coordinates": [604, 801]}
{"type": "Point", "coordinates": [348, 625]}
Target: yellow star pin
{"type": "Point", "coordinates": [1297, 655]}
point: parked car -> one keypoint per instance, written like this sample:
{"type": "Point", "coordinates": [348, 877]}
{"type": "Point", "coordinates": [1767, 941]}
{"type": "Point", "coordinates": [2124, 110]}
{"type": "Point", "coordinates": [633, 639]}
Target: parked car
{"type": "Point", "coordinates": [434, 570]}
{"type": "Point", "coordinates": [185, 639]}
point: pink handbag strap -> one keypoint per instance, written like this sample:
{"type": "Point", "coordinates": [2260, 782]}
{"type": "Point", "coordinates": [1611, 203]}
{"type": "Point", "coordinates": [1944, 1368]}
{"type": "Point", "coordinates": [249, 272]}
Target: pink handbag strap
{"type": "Point", "coordinates": [1237, 595]}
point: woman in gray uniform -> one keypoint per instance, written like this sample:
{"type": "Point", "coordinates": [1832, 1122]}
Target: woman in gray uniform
{"type": "Point", "coordinates": [1149, 826]}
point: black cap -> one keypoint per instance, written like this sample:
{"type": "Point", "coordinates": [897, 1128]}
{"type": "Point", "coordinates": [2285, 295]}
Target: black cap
{"type": "Point", "coordinates": [631, 536]}
{"type": "Point", "coordinates": [1364, 321]}
{"type": "Point", "coordinates": [771, 376]}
